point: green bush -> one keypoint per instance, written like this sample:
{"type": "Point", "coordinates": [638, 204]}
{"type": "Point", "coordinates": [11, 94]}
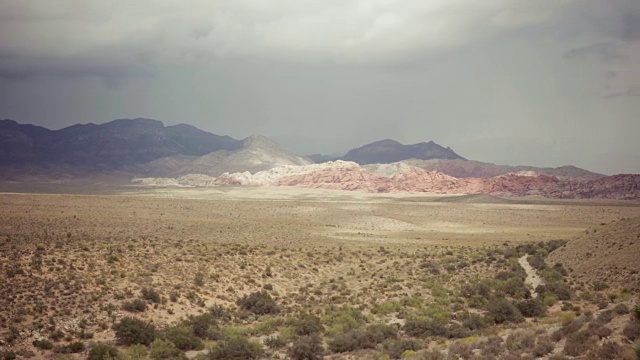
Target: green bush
{"type": "Point", "coordinates": [351, 340]}
{"type": "Point", "coordinates": [344, 320]}
{"type": "Point", "coordinates": [130, 331]}
{"type": "Point", "coordinates": [183, 338]}
{"type": "Point", "coordinates": [43, 344]}
{"type": "Point", "coordinates": [502, 310]}
{"type": "Point", "coordinates": [236, 349]}
{"type": "Point", "coordinates": [307, 325]}
{"type": "Point", "coordinates": [476, 322]}
{"type": "Point", "coordinates": [378, 333]}
{"type": "Point", "coordinates": [204, 326]}
{"type": "Point", "coordinates": [307, 348]}
{"type": "Point", "coordinates": [425, 327]}
{"type": "Point", "coordinates": [102, 352]}
{"type": "Point", "coordinates": [532, 308]}
{"type": "Point", "coordinates": [396, 348]}
{"type": "Point", "coordinates": [259, 303]}
{"type": "Point", "coordinates": [164, 349]}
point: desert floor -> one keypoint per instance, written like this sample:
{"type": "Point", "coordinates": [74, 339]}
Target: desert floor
{"type": "Point", "coordinates": [71, 261]}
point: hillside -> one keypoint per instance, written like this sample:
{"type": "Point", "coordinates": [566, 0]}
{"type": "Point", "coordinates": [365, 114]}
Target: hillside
{"type": "Point", "coordinates": [606, 253]}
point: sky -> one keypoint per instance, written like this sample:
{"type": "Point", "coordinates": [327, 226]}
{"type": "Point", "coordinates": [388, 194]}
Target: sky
{"type": "Point", "coordinates": [543, 83]}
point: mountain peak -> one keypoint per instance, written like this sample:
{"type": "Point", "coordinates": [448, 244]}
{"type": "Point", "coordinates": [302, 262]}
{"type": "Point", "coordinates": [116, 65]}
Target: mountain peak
{"type": "Point", "coordinates": [261, 142]}
{"type": "Point", "coordinates": [389, 151]}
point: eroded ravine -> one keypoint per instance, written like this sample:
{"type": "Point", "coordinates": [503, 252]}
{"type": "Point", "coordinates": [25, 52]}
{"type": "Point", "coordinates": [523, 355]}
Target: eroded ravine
{"type": "Point", "coordinates": [533, 280]}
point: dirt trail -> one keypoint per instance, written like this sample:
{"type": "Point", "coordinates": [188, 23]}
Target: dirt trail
{"type": "Point", "coordinates": [533, 279]}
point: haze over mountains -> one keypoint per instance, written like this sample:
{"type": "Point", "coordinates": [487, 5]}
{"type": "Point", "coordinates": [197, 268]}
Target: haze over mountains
{"type": "Point", "coordinates": [144, 148]}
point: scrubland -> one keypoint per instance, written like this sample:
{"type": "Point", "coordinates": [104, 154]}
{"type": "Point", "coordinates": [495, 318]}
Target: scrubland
{"type": "Point", "coordinates": [255, 273]}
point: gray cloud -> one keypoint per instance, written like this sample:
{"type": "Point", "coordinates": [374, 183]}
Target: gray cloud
{"type": "Point", "coordinates": [499, 80]}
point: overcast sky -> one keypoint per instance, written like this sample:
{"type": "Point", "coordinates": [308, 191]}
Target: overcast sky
{"type": "Point", "coordinates": [544, 82]}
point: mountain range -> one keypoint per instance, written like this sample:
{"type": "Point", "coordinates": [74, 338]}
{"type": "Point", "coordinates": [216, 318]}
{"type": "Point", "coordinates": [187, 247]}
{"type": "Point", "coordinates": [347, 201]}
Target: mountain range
{"type": "Point", "coordinates": [147, 149]}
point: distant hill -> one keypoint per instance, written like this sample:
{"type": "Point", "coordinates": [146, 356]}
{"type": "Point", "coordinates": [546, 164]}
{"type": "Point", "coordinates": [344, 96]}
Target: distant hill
{"type": "Point", "coordinates": [477, 169]}
{"type": "Point", "coordinates": [390, 151]}
{"type": "Point", "coordinates": [257, 153]}
{"type": "Point", "coordinates": [114, 145]}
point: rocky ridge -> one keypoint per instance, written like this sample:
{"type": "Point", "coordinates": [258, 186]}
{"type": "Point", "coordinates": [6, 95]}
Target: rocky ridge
{"type": "Point", "coordinates": [344, 175]}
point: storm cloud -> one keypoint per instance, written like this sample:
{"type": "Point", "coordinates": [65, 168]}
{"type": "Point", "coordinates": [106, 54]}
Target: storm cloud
{"type": "Point", "coordinates": [543, 83]}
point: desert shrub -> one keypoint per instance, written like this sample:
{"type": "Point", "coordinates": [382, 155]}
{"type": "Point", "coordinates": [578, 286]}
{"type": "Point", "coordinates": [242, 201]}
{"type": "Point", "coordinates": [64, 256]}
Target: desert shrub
{"type": "Point", "coordinates": [198, 279]}
{"type": "Point", "coordinates": [136, 352]}
{"type": "Point", "coordinates": [378, 333]}
{"type": "Point", "coordinates": [476, 322]}
{"type": "Point", "coordinates": [343, 320]}
{"type": "Point", "coordinates": [515, 288]}
{"type": "Point", "coordinates": [492, 347]}
{"type": "Point", "coordinates": [102, 352]}
{"type": "Point", "coordinates": [632, 330]}
{"type": "Point", "coordinates": [204, 326]}
{"type": "Point", "coordinates": [544, 345]}
{"type": "Point", "coordinates": [520, 340]}
{"type": "Point", "coordinates": [396, 348]}
{"type": "Point", "coordinates": [219, 312]}
{"type": "Point", "coordinates": [7, 355]}
{"type": "Point", "coordinates": [276, 342]}
{"type": "Point", "coordinates": [43, 344]}
{"type": "Point", "coordinates": [387, 307]}
{"type": "Point", "coordinates": [532, 308]}
{"type": "Point", "coordinates": [433, 354]}
{"type": "Point", "coordinates": [259, 303]}
{"type": "Point", "coordinates": [578, 343]}
{"type": "Point", "coordinates": [56, 335]}
{"type": "Point", "coordinates": [536, 261]}
{"type": "Point", "coordinates": [183, 338]}
{"type": "Point", "coordinates": [621, 309]}
{"type": "Point", "coordinates": [601, 331]}
{"type": "Point", "coordinates": [424, 327]}
{"type": "Point", "coordinates": [238, 348]}
{"type": "Point", "coordinates": [351, 340]}
{"type": "Point", "coordinates": [307, 325]}
{"type": "Point", "coordinates": [307, 348]}
{"type": "Point", "coordinates": [72, 348]}
{"type": "Point", "coordinates": [151, 295]}
{"type": "Point", "coordinates": [461, 350]}
{"type": "Point", "coordinates": [599, 285]}
{"type": "Point", "coordinates": [605, 316]}
{"type": "Point", "coordinates": [130, 331]}
{"type": "Point", "coordinates": [636, 311]}
{"type": "Point", "coordinates": [609, 350]}
{"type": "Point", "coordinates": [164, 349]}
{"type": "Point", "coordinates": [456, 331]}
{"type": "Point", "coordinates": [554, 244]}
{"type": "Point", "coordinates": [482, 288]}
{"type": "Point", "coordinates": [502, 310]}
{"type": "Point", "coordinates": [137, 305]}
{"type": "Point", "coordinates": [558, 288]}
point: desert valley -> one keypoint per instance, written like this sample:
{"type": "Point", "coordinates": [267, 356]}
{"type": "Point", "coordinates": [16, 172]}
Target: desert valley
{"type": "Point", "coordinates": [229, 249]}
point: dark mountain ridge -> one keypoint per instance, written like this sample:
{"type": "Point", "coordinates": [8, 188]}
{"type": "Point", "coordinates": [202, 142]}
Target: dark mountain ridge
{"type": "Point", "coordinates": [389, 151]}
{"type": "Point", "coordinates": [108, 146]}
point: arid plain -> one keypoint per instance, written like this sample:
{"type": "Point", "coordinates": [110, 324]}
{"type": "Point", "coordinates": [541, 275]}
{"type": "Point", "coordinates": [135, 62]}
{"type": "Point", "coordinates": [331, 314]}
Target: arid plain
{"type": "Point", "coordinates": [344, 275]}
